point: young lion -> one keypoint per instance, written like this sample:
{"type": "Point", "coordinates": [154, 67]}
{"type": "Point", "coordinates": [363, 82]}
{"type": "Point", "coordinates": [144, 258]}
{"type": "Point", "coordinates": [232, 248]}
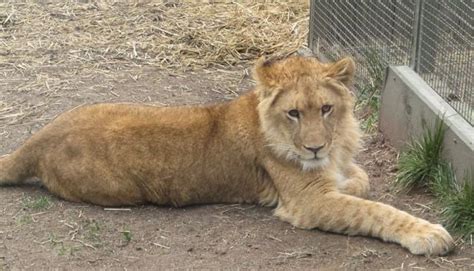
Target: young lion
{"type": "Point", "coordinates": [289, 143]}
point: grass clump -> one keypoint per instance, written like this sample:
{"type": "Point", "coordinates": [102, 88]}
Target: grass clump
{"type": "Point", "coordinates": [419, 165]}
{"type": "Point", "coordinates": [127, 237]}
{"type": "Point", "coordinates": [369, 103]}
{"type": "Point", "coordinates": [457, 200]}
{"type": "Point", "coordinates": [60, 246]}
{"type": "Point", "coordinates": [39, 203]}
{"type": "Point", "coordinates": [444, 180]}
{"type": "Point", "coordinates": [458, 211]}
{"type": "Point", "coordinates": [368, 94]}
{"type": "Point", "coordinates": [92, 232]}
{"type": "Point", "coordinates": [24, 220]}
{"type": "Point", "coordinates": [422, 166]}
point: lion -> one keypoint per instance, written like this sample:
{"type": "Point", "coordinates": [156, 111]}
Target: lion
{"type": "Point", "coordinates": [289, 144]}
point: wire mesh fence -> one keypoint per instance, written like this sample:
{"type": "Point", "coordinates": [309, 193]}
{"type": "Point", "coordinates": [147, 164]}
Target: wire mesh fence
{"type": "Point", "coordinates": [433, 37]}
{"type": "Point", "coordinates": [445, 56]}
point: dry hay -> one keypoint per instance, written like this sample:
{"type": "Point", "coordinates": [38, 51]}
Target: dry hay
{"type": "Point", "coordinates": [167, 34]}
{"type": "Point", "coordinates": [50, 49]}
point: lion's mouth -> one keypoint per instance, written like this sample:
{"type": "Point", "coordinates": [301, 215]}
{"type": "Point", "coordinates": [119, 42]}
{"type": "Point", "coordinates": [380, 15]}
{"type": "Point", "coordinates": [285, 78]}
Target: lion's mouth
{"type": "Point", "coordinates": [313, 157]}
{"type": "Point", "coordinates": [313, 163]}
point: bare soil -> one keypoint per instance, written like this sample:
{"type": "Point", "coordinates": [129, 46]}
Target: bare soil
{"type": "Point", "coordinates": [40, 231]}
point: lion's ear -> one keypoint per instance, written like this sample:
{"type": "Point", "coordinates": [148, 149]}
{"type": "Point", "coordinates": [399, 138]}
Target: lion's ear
{"type": "Point", "coordinates": [343, 70]}
{"type": "Point", "coordinates": [264, 73]}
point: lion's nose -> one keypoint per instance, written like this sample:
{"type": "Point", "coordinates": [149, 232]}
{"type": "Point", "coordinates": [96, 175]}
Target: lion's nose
{"type": "Point", "coordinates": [314, 149]}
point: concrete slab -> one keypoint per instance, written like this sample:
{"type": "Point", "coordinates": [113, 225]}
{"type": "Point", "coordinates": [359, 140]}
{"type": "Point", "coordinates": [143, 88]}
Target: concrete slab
{"type": "Point", "coordinates": [409, 106]}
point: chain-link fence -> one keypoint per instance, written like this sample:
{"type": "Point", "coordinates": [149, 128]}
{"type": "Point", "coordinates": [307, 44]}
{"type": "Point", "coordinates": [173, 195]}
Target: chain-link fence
{"type": "Point", "coordinates": [432, 36]}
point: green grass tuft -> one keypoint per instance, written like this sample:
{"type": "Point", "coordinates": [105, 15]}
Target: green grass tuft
{"type": "Point", "coordinates": [92, 232]}
{"type": "Point", "coordinates": [368, 102]}
{"type": "Point", "coordinates": [443, 183]}
{"type": "Point", "coordinates": [368, 95]}
{"type": "Point", "coordinates": [419, 165]}
{"type": "Point", "coordinates": [24, 220]}
{"type": "Point", "coordinates": [457, 200]}
{"type": "Point", "coordinates": [422, 165]}
{"type": "Point", "coordinates": [458, 211]}
{"type": "Point", "coordinates": [39, 203]}
{"type": "Point", "coordinates": [127, 236]}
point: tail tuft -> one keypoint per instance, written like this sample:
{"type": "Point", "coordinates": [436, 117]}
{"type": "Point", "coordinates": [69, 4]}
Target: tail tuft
{"type": "Point", "coordinates": [13, 170]}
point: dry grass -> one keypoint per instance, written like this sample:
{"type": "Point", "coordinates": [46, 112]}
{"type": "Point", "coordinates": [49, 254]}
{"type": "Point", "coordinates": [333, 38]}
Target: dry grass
{"type": "Point", "coordinates": [167, 34]}
{"type": "Point", "coordinates": [51, 49]}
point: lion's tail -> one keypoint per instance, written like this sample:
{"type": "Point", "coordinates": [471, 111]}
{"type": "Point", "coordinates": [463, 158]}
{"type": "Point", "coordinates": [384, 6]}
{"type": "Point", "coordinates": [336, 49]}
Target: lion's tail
{"type": "Point", "coordinates": [16, 167]}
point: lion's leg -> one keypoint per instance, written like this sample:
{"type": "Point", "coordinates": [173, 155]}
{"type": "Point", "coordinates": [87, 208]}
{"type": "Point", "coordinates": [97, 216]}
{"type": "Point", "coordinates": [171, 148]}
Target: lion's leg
{"type": "Point", "coordinates": [341, 213]}
{"type": "Point", "coordinates": [355, 181]}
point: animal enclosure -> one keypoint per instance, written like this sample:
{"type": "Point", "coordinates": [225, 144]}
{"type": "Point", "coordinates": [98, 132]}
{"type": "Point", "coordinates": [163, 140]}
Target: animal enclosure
{"type": "Point", "coordinates": [57, 55]}
{"type": "Point", "coordinates": [432, 37]}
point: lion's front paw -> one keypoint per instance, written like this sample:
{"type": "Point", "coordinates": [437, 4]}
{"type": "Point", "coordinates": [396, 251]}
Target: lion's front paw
{"type": "Point", "coordinates": [428, 239]}
{"type": "Point", "coordinates": [355, 187]}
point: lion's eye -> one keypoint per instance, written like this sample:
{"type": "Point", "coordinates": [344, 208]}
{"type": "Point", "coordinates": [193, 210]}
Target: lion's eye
{"type": "Point", "coordinates": [326, 108]}
{"type": "Point", "coordinates": [293, 113]}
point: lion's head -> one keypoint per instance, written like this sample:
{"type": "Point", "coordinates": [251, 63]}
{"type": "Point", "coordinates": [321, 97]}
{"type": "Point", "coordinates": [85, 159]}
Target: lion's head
{"type": "Point", "coordinates": [305, 107]}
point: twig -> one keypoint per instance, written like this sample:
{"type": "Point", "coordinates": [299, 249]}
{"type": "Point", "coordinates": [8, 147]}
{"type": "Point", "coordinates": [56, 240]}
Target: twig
{"type": "Point", "coordinates": [274, 238]}
{"type": "Point", "coordinates": [162, 246]}
{"type": "Point", "coordinates": [118, 209]}
{"type": "Point", "coordinates": [85, 244]}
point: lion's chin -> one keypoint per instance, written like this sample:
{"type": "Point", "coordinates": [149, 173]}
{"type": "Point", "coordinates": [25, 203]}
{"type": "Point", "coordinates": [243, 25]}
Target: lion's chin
{"type": "Point", "coordinates": [307, 163]}
{"type": "Point", "coordinates": [312, 164]}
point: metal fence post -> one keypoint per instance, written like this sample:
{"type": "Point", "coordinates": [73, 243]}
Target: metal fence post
{"type": "Point", "coordinates": [432, 27]}
{"type": "Point", "coordinates": [415, 50]}
{"type": "Point", "coordinates": [311, 19]}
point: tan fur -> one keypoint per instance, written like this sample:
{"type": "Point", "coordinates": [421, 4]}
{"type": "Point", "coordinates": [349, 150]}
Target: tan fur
{"type": "Point", "coordinates": [249, 150]}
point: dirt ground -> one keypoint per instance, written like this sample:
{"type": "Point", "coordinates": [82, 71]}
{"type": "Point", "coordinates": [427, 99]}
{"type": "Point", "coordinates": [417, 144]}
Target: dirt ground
{"type": "Point", "coordinates": [39, 231]}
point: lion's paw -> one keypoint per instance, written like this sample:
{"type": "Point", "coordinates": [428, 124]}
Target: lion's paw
{"type": "Point", "coordinates": [428, 239]}
{"type": "Point", "coordinates": [355, 187]}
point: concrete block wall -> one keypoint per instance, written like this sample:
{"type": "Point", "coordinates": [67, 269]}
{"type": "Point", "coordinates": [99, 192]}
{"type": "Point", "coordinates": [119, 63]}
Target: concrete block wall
{"type": "Point", "coordinates": [409, 106]}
